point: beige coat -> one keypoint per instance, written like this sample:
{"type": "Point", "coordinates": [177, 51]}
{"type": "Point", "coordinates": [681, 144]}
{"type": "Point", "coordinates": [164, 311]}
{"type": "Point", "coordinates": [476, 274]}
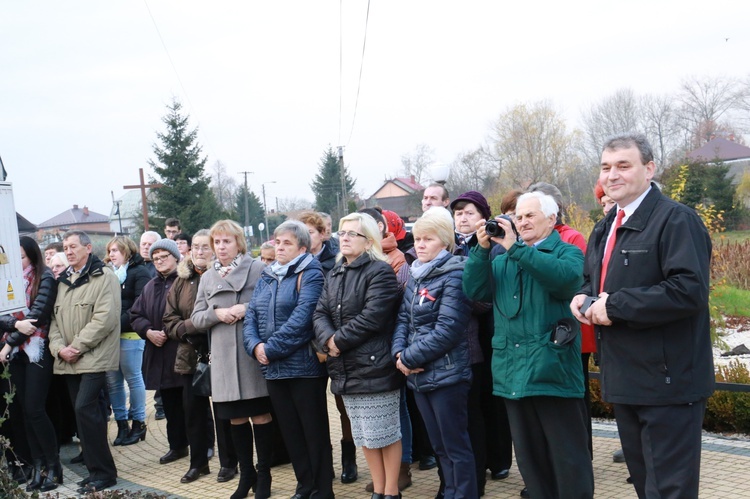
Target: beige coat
{"type": "Point", "coordinates": [87, 317]}
{"type": "Point", "coordinates": [234, 374]}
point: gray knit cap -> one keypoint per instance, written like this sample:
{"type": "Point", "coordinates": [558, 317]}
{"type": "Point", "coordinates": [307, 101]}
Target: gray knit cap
{"type": "Point", "coordinates": [165, 244]}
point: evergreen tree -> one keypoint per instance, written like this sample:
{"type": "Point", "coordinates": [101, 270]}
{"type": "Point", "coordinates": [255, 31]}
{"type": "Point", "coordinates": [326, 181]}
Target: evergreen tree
{"type": "Point", "coordinates": [255, 208]}
{"type": "Point", "coordinates": [181, 169]}
{"type": "Point", "coordinates": [327, 184]}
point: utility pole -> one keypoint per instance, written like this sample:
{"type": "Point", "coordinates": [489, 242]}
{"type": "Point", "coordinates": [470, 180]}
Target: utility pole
{"type": "Point", "coordinates": [247, 208]}
{"type": "Point", "coordinates": [265, 206]}
{"type": "Point", "coordinates": [119, 217]}
{"type": "Point", "coordinates": [343, 180]}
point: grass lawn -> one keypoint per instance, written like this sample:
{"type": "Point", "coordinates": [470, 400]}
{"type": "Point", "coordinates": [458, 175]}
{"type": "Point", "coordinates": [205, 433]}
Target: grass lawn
{"type": "Point", "coordinates": [732, 237]}
{"type": "Point", "coordinates": [732, 301]}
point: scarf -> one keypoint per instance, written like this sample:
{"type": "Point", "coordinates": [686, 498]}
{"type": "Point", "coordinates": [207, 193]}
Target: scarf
{"type": "Point", "coordinates": [222, 270]}
{"type": "Point", "coordinates": [122, 272]}
{"type": "Point", "coordinates": [419, 269]}
{"type": "Point", "coordinates": [34, 344]}
{"type": "Point", "coordinates": [280, 270]}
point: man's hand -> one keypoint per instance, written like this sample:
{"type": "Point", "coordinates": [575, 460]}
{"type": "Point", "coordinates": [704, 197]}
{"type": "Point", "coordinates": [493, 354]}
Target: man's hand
{"type": "Point", "coordinates": [506, 242]}
{"type": "Point", "coordinates": [69, 354]}
{"type": "Point", "coordinates": [260, 354]}
{"type": "Point", "coordinates": [158, 338]}
{"type": "Point", "coordinates": [333, 350]}
{"type": "Point", "coordinates": [597, 312]}
{"type": "Point", "coordinates": [575, 307]}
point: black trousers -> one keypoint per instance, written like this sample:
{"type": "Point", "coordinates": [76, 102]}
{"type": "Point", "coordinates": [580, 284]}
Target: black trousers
{"type": "Point", "coordinates": [175, 413]}
{"type": "Point", "coordinates": [662, 447]}
{"type": "Point", "coordinates": [196, 409]}
{"type": "Point", "coordinates": [84, 392]}
{"type": "Point", "coordinates": [32, 380]}
{"type": "Point", "coordinates": [549, 435]}
{"type": "Point", "coordinates": [301, 409]}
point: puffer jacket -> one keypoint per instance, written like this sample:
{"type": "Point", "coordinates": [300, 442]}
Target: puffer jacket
{"type": "Point", "coordinates": [177, 323]}
{"type": "Point", "coordinates": [431, 330]}
{"type": "Point", "coordinates": [41, 310]}
{"type": "Point", "coordinates": [327, 257]}
{"type": "Point", "coordinates": [148, 313]}
{"type": "Point", "coordinates": [531, 289]}
{"type": "Point", "coordinates": [87, 317]}
{"type": "Point", "coordinates": [136, 279]}
{"type": "Point", "coordinates": [280, 316]}
{"type": "Point", "coordinates": [358, 308]}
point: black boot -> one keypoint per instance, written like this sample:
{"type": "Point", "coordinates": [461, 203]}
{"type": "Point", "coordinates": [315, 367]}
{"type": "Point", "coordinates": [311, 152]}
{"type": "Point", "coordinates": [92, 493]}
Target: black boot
{"type": "Point", "coordinates": [242, 438]}
{"type": "Point", "coordinates": [348, 462]}
{"type": "Point", "coordinates": [54, 476]}
{"type": "Point", "coordinates": [264, 447]}
{"type": "Point", "coordinates": [122, 432]}
{"type": "Point", "coordinates": [137, 432]}
{"type": "Point", "coordinates": [37, 477]}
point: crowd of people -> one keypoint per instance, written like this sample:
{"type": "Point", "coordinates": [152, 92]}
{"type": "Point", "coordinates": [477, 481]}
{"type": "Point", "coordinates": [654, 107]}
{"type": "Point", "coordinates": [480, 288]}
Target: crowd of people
{"type": "Point", "coordinates": [452, 345]}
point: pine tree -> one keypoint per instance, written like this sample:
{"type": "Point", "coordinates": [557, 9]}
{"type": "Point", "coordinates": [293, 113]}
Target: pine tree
{"type": "Point", "coordinates": [181, 169]}
{"type": "Point", "coordinates": [327, 184]}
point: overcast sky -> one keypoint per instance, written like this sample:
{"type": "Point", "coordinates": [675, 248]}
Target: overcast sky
{"type": "Point", "coordinates": [84, 84]}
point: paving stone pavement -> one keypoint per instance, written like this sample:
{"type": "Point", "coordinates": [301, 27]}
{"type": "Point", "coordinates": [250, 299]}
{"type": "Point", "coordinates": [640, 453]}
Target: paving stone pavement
{"type": "Point", "coordinates": [724, 471]}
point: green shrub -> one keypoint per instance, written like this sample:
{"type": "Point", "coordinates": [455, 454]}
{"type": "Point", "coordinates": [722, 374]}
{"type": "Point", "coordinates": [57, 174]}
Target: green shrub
{"type": "Point", "coordinates": [729, 411]}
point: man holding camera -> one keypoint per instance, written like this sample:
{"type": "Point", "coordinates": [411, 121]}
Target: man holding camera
{"type": "Point", "coordinates": [536, 362]}
{"type": "Point", "coordinates": [647, 262]}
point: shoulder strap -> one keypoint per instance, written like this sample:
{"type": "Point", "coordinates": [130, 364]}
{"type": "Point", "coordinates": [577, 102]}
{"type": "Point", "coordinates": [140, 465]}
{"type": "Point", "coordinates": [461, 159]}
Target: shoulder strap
{"type": "Point", "coordinates": [299, 281]}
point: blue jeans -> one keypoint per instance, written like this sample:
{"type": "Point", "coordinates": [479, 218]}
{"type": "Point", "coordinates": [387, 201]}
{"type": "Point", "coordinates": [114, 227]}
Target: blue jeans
{"type": "Point", "coordinates": [131, 360]}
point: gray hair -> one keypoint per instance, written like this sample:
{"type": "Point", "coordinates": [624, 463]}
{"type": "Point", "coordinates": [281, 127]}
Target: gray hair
{"type": "Point", "coordinates": [82, 236]}
{"type": "Point", "coordinates": [268, 245]}
{"type": "Point", "coordinates": [297, 229]}
{"type": "Point", "coordinates": [202, 233]}
{"type": "Point", "coordinates": [548, 205]}
{"type": "Point", "coordinates": [550, 190]}
{"type": "Point", "coordinates": [630, 139]}
{"type": "Point", "coordinates": [151, 233]}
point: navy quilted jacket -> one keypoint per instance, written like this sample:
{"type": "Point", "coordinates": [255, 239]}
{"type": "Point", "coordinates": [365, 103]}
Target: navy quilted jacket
{"type": "Point", "coordinates": [431, 330]}
{"type": "Point", "coordinates": [281, 318]}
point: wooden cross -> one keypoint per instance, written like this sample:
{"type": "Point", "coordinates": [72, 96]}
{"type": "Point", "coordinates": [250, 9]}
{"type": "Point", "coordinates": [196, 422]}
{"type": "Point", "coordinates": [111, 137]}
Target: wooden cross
{"type": "Point", "coordinates": [143, 185]}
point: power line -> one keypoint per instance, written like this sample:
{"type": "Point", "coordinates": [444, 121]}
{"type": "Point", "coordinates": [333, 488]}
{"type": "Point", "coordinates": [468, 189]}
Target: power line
{"type": "Point", "coordinates": [177, 74]}
{"type": "Point", "coordinates": [361, 65]}
{"type": "Point", "coordinates": [341, 62]}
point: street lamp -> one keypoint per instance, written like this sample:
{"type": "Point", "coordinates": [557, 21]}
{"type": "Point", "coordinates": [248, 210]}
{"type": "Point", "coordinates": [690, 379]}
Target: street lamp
{"type": "Point", "coordinates": [265, 206]}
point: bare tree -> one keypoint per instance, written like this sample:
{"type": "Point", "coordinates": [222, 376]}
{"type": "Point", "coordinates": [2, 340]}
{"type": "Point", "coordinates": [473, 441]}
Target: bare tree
{"type": "Point", "coordinates": [707, 105]}
{"type": "Point", "coordinates": [473, 170]}
{"type": "Point", "coordinates": [294, 204]}
{"type": "Point", "coordinates": [532, 144]}
{"type": "Point", "coordinates": [618, 113]}
{"type": "Point", "coordinates": [223, 185]}
{"type": "Point", "coordinates": [662, 126]}
{"type": "Point", "coordinates": [417, 162]}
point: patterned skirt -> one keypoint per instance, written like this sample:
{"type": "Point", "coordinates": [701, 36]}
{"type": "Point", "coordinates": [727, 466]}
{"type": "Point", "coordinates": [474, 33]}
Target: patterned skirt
{"type": "Point", "coordinates": [375, 418]}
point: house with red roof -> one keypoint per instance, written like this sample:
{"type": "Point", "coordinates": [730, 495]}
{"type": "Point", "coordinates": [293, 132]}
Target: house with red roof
{"type": "Point", "coordinates": [401, 194]}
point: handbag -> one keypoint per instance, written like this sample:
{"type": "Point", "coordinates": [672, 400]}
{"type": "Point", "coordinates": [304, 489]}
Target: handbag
{"type": "Point", "coordinates": [202, 375]}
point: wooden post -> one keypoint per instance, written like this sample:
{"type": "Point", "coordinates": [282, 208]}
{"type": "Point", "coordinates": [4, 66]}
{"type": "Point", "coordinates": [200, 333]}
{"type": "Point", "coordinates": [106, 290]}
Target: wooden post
{"type": "Point", "coordinates": [142, 186]}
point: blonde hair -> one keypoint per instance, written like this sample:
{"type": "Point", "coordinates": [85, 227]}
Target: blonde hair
{"type": "Point", "coordinates": [369, 228]}
{"type": "Point", "coordinates": [231, 228]}
{"type": "Point", "coordinates": [126, 246]}
{"type": "Point", "coordinates": [437, 221]}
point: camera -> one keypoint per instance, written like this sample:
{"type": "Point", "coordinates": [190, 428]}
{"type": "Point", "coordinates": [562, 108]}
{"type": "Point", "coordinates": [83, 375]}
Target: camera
{"type": "Point", "coordinates": [494, 229]}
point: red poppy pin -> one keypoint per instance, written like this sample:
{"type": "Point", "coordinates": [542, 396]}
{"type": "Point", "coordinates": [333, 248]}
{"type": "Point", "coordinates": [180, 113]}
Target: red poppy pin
{"type": "Point", "coordinates": [424, 293]}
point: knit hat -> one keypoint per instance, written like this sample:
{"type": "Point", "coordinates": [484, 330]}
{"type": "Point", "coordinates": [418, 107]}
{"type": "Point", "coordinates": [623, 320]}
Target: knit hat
{"type": "Point", "coordinates": [395, 224]}
{"type": "Point", "coordinates": [477, 200]}
{"type": "Point", "coordinates": [164, 244]}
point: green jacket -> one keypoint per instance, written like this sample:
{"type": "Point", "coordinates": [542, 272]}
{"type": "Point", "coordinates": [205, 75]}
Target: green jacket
{"type": "Point", "coordinates": [530, 289]}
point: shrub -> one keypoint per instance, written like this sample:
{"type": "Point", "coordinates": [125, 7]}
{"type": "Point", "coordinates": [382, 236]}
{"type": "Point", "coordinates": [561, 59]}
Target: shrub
{"type": "Point", "coordinates": [729, 411]}
{"type": "Point", "coordinates": [730, 264]}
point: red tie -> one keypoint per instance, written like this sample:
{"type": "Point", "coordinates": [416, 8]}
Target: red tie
{"type": "Point", "coordinates": [610, 246]}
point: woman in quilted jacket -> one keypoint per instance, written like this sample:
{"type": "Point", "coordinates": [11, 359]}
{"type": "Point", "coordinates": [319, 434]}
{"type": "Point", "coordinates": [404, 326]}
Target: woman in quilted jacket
{"type": "Point", "coordinates": [431, 348]}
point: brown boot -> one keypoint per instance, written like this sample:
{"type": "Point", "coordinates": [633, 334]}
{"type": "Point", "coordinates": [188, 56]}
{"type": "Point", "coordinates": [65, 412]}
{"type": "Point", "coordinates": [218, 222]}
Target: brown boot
{"type": "Point", "coordinates": [404, 476]}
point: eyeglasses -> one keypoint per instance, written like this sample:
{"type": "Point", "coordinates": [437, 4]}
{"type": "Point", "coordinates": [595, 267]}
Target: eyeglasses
{"type": "Point", "coordinates": [204, 249]}
{"type": "Point", "coordinates": [352, 234]}
{"type": "Point", "coordinates": [159, 259]}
